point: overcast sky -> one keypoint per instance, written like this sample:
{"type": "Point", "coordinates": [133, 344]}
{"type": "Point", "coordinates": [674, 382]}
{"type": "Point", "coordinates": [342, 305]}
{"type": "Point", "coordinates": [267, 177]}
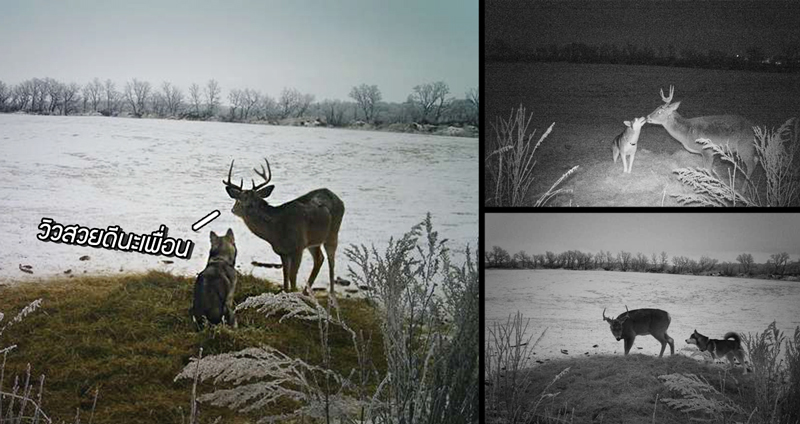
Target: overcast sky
{"type": "Point", "coordinates": [319, 47]}
{"type": "Point", "coordinates": [730, 26]}
{"type": "Point", "coordinates": [721, 236]}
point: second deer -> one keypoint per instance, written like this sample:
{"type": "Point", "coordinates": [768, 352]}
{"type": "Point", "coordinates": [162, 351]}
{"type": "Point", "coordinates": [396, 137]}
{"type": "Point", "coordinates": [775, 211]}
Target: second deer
{"type": "Point", "coordinates": [308, 222]}
{"type": "Point", "coordinates": [625, 144]}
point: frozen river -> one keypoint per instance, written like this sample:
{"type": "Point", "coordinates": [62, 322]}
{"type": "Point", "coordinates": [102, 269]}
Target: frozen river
{"type": "Point", "coordinates": [140, 173]}
{"type": "Point", "coordinates": [570, 305]}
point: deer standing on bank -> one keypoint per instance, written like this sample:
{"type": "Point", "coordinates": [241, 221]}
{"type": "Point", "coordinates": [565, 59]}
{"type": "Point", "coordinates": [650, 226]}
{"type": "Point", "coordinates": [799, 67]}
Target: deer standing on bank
{"type": "Point", "coordinates": [641, 322]}
{"type": "Point", "coordinates": [308, 222]}
{"type": "Point", "coordinates": [733, 131]}
{"type": "Point", "coordinates": [625, 143]}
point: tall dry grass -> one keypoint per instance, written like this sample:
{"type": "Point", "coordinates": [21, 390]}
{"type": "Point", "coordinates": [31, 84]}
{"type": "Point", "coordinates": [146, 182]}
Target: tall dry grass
{"type": "Point", "coordinates": [21, 404]}
{"type": "Point", "coordinates": [778, 152]}
{"type": "Point", "coordinates": [777, 381]}
{"type": "Point", "coordinates": [511, 162]}
{"type": "Point", "coordinates": [429, 326]}
{"type": "Point", "coordinates": [507, 389]}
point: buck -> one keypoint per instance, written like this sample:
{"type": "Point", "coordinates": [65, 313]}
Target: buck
{"type": "Point", "coordinates": [641, 322]}
{"type": "Point", "coordinates": [733, 131]}
{"type": "Point", "coordinates": [308, 222]}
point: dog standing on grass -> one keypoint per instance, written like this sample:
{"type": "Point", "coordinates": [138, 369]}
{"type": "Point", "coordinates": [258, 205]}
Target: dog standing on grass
{"type": "Point", "coordinates": [214, 287]}
{"type": "Point", "coordinates": [625, 143]}
{"type": "Point", "coordinates": [720, 348]}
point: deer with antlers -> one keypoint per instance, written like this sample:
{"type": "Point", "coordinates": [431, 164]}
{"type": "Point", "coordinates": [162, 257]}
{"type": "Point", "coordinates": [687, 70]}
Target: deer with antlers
{"type": "Point", "coordinates": [733, 131]}
{"type": "Point", "coordinates": [308, 222]}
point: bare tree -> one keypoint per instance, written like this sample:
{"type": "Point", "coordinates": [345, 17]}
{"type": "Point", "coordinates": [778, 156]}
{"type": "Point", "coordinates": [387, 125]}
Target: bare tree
{"type": "Point", "coordinates": [269, 107]}
{"type": "Point", "coordinates": [194, 95]}
{"type": "Point", "coordinates": [250, 101]}
{"type": "Point", "coordinates": [304, 102]}
{"type": "Point", "coordinates": [779, 261]}
{"type": "Point", "coordinates": [624, 260]}
{"type": "Point", "coordinates": [663, 261]}
{"type": "Point", "coordinates": [366, 96]}
{"type": "Point", "coordinates": [172, 98]}
{"type": "Point", "coordinates": [212, 96]}
{"type": "Point", "coordinates": [22, 96]}
{"type": "Point", "coordinates": [472, 97]}
{"type": "Point", "coordinates": [158, 104]}
{"type": "Point", "coordinates": [94, 92]}
{"type": "Point", "coordinates": [333, 110]}
{"type": "Point", "coordinates": [111, 96]}
{"type": "Point", "coordinates": [235, 97]}
{"type": "Point", "coordinates": [746, 262]}
{"type": "Point", "coordinates": [5, 94]}
{"type": "Point", "coordinates": [136, 94]}
{"type": "Point", "coordinates": [288, 102]}
{"type": "Point", "coordinates": [52, 90]}
{"type": "Point", "coordinates": [69, 96]}
{"type": "Point", "coordinates": [429, 98]}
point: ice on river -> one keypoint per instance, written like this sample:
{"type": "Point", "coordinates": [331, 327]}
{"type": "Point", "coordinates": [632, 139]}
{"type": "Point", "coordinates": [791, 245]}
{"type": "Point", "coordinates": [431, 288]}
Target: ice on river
{"type": "Point", "coordinates": [570, 305]}
{"type": "Point", "coordinates": [140, 173]}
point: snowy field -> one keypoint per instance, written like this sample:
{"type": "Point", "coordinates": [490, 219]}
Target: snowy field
{"type": "Point", "coordinates": [138, 174]}
{"type": "Point", "coordinates": [570, 305]}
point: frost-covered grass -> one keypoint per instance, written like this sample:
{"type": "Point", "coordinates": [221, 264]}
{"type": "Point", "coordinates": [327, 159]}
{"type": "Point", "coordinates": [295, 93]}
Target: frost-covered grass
{"type": "Point", "coordinates": [407, 353]}
{"type": "Point", "coordinates": [778, 152]}
{"type": "Point", "coordinates": [637, 388]}
{"type": "Point", "coordinates": [429, 344]}
{"type": "Point", "coordinates": [130, 335]}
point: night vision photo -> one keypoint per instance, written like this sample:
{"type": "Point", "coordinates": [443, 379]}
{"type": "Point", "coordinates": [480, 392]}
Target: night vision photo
{"type": "Point", "coordinates": [645, 103]}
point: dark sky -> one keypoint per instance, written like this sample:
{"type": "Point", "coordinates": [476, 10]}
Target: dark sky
{"type": "Point", "coordinates": [731, 26]}
{"type": "Point", "coordinates": [721, 236]}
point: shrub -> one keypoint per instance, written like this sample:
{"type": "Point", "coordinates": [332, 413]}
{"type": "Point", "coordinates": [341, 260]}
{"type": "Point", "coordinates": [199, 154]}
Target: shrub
{"type": "Point", "coordinates": [430, 345]}
{"type": "Point", "coordinates": [511, 161]}
{"type": "Point", "coordinates": [777, 151]}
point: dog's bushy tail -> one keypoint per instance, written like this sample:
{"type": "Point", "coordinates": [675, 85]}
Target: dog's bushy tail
{"type": "Point", "coordinates": [735, 337]}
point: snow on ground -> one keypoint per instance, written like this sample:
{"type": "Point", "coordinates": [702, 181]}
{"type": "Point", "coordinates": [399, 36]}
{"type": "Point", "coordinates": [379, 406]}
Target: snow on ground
{"type": "Point", "coordinates": [139, 173]}
{"type": "Point", "coordinates": [570, 305]}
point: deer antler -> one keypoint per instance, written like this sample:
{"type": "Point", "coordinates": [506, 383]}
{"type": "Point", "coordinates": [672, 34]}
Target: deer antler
{"type": "Point", "coordinates": [604, 315]}
{"type": "Point", "coordinates": [671, 92]}
{"type": "Point", "coordinates": [228, 183]}
{"type": "Point", "coordinates": [262, 174]}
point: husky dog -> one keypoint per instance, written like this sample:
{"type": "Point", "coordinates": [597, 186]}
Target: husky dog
{"type": "Point", "coordinates": [214, 287]}
{"type": "Point", "coordinates": [720, 348]}
{"type": "Point", "coordinates": [625, 143]}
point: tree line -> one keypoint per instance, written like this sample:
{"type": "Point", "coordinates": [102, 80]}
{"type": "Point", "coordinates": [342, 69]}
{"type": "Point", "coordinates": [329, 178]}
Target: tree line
{"type": "Point", "coordinates": [428, 103]}
{"type": "Point", "coordinates": [753, 58]}
{"type": "Point", "coordinates": [778, 264]}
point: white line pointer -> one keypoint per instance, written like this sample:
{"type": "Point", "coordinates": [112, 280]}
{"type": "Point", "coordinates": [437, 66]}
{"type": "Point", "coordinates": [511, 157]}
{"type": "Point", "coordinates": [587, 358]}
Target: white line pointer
{"type": "Point", "coordinates": [205, 220]}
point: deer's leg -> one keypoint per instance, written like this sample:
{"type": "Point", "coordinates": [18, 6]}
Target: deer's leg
{"type": "Point", "coordinates": [286, 266]}
{"type": "Point", "coordinates": [316, 253]}
{"type": "Point", "coordinates": [708, 159]}
{"type": "Point", "coordinates": [330, 250]}
{"type": "Point", "coordinates": [629, 344]}
{"type": "Point", "coordinates": [664, 339]}
{"type": "Point", "coordinates": [296, 258]}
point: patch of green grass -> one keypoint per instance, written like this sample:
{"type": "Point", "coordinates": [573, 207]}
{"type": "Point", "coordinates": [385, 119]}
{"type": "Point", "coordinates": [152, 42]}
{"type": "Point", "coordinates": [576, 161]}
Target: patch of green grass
{"type": "Point", "coordinates": [131, 335]}
{"type": "Point", "coordinates": [623, 389]}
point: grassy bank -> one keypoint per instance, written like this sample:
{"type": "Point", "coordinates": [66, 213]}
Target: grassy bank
{"type": "Point", "coordinates": [639, 388]}
{"type": "Point", "coordinates": [129, 336]}
{"type": "Point", "coordinates": [624, 389]}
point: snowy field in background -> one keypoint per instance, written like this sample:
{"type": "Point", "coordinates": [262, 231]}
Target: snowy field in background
{"type": "Point", "coordinates": [138, 173]}
{"type": "Point", "coordinates": [570, 305]}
